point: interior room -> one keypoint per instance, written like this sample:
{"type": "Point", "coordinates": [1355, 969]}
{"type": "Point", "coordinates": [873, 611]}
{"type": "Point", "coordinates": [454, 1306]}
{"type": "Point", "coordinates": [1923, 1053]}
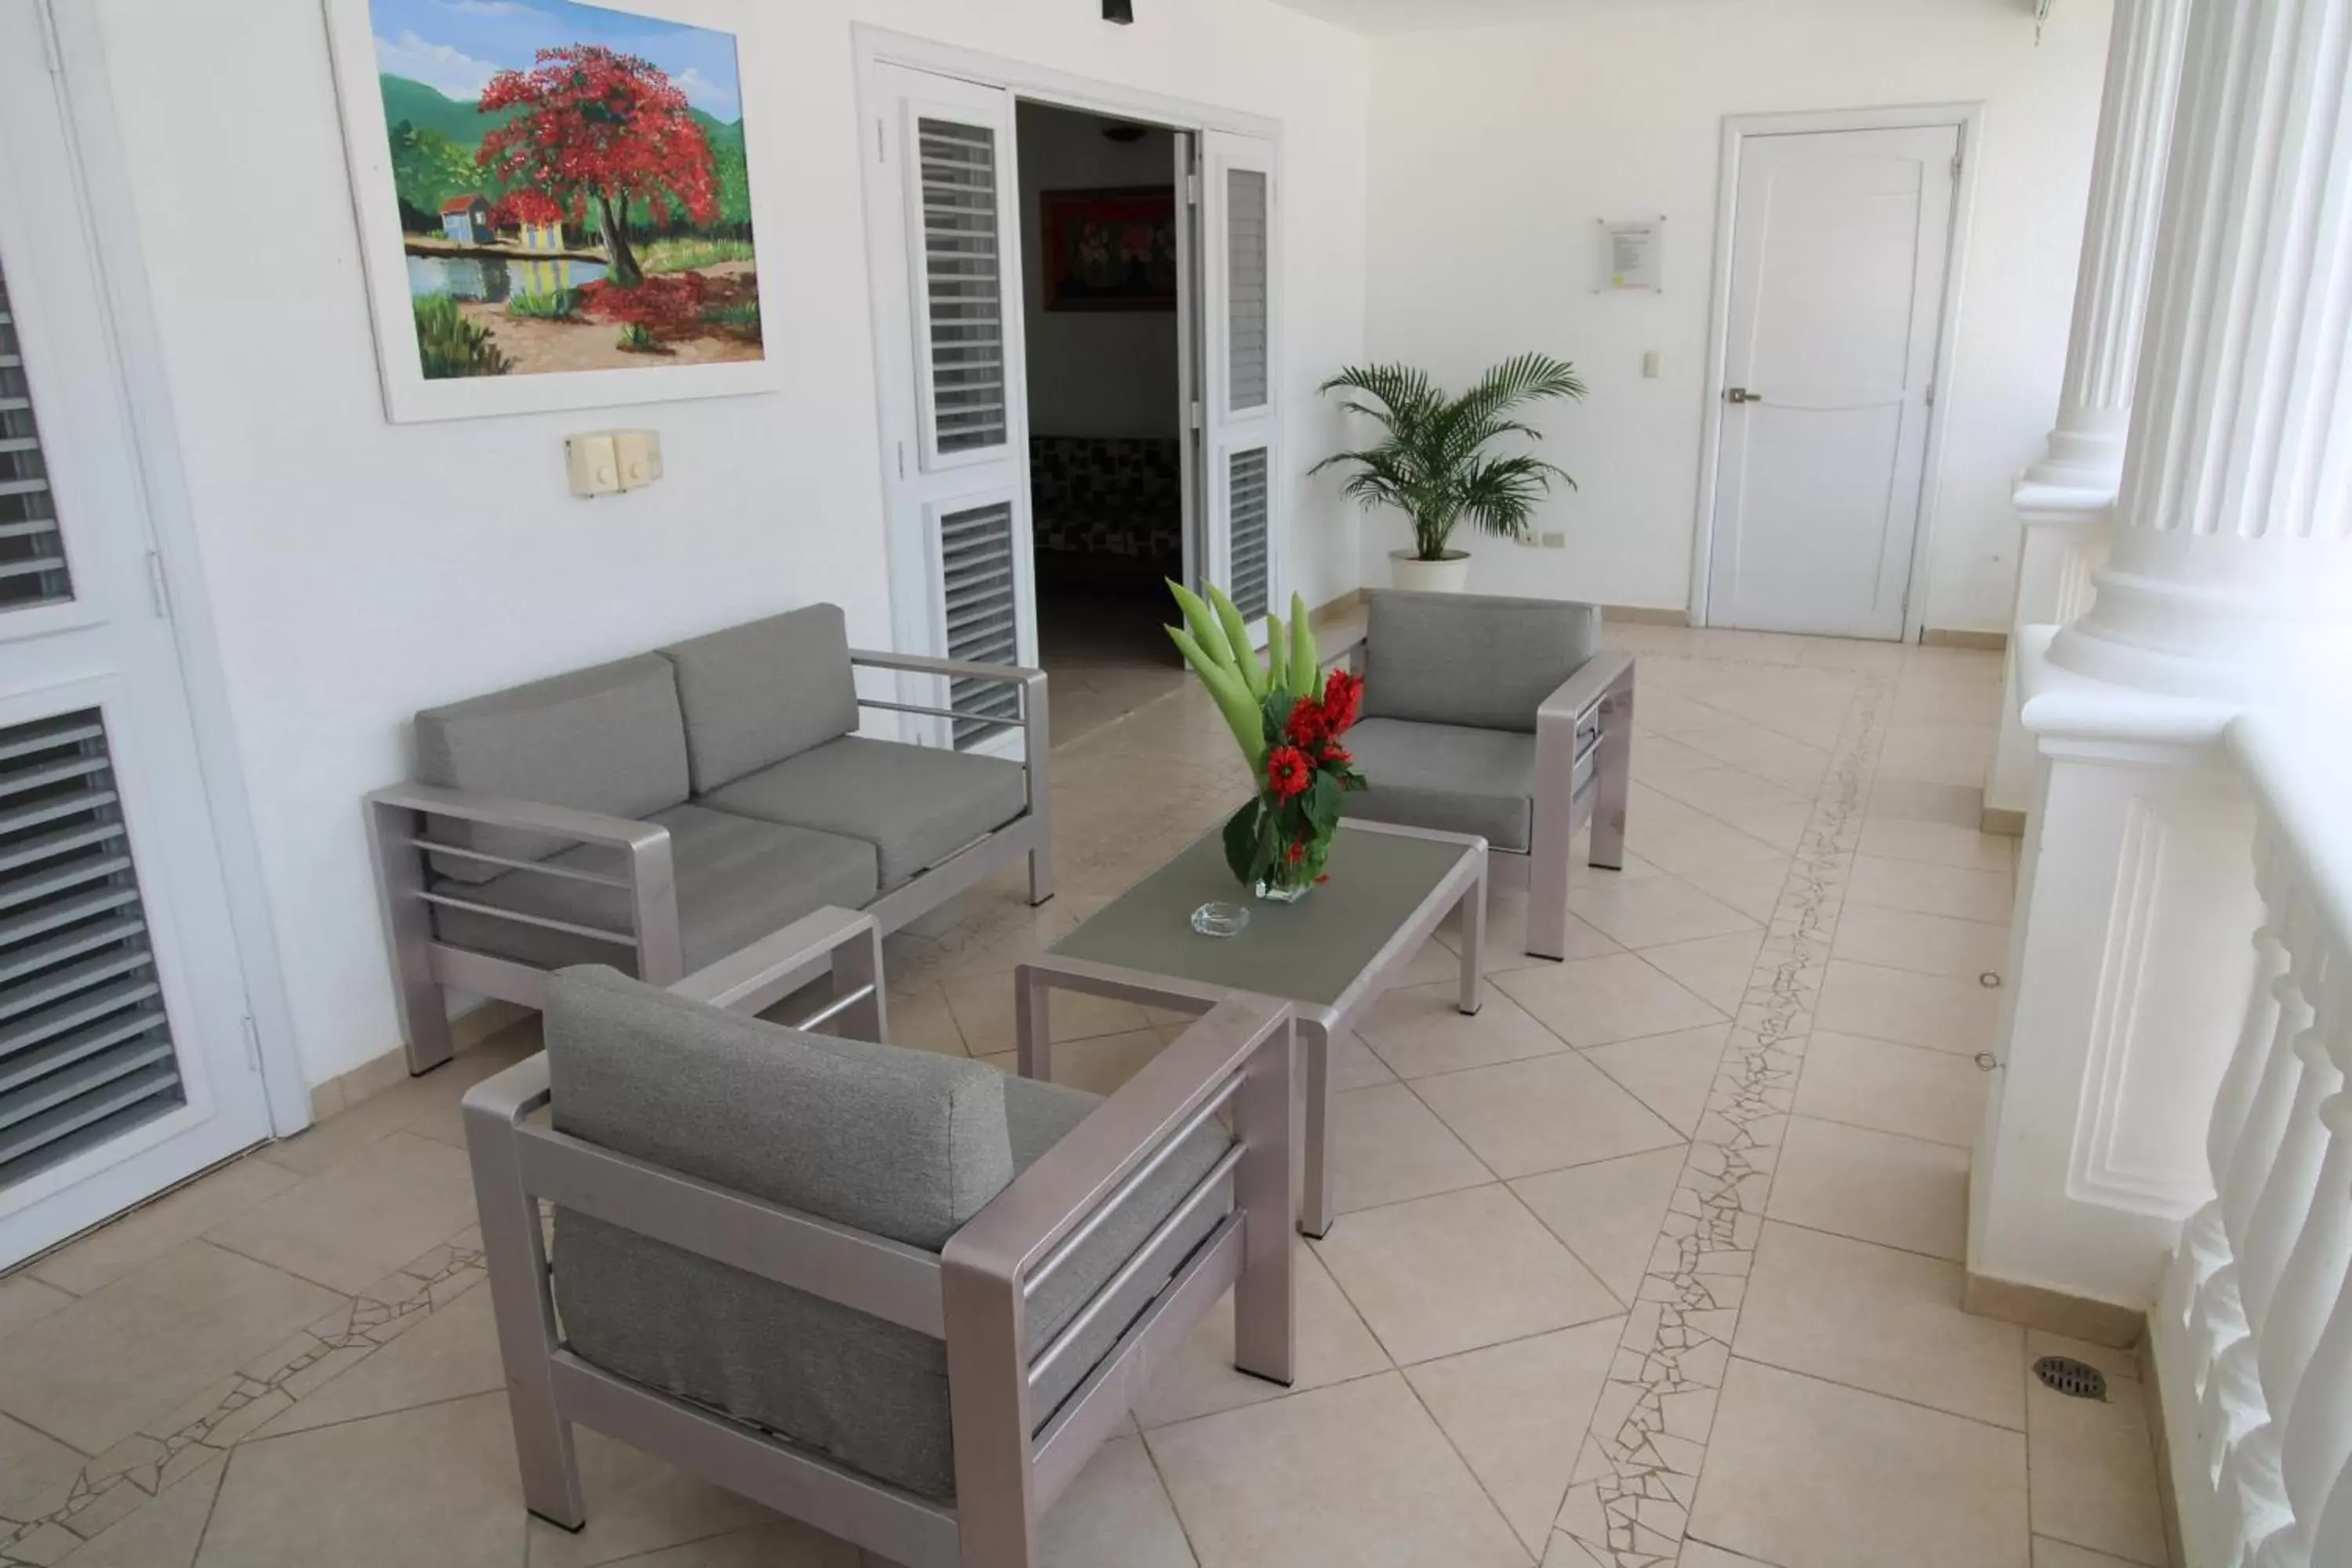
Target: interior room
{"type": "Point", "coordinates": [1107, 444]}
{"type": "Point", "coordinates": [1718, 941]}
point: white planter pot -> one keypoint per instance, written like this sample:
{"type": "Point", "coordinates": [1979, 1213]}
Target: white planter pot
{"type": "Point", "coordinates": [1450, 575]}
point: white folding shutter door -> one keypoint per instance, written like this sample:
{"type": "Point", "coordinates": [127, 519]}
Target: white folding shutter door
{"type": "Point", "coordinates": [945, 239]}
{"type": "Point", "coordinates": [1242, 336]}
{"type": "Point", "coordinates": [32, 553]}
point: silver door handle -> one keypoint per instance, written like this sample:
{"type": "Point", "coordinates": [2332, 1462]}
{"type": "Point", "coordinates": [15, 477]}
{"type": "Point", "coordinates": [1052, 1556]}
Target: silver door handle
{"type": "Point", "coordinates": [1741, 395]}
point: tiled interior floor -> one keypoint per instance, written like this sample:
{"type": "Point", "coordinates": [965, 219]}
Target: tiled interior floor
{"type": "Point", "coordinates": [1106, 652]}
{"type": "Point", "coordinates": [1655, 1259]}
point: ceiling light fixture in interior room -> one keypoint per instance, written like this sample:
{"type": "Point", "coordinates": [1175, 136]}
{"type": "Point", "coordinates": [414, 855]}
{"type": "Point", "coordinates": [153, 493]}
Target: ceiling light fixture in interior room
{"type": "Point", "coordinates": [1123, 131]}
{"type": "Point", "coordinates": [1119, 11]}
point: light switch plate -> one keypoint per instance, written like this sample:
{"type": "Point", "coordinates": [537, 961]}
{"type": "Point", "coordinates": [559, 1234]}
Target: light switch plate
{"type": "Point", "coordinates": [592, 464]}
{"type": "Point", "coordinates": [640, 456]}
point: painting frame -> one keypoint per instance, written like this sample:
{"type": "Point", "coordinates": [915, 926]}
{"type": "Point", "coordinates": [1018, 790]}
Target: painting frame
{"type": "Point", "coordinates": [409, 395]}
{"type": "Point", "coordinates": [1061, 214]}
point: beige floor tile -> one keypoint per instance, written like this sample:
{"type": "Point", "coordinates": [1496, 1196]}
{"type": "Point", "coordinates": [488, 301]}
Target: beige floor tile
{"type": "Point", "coordinates": [1960, 891]}
{"type": "Point", "coordinates": [362, 1218]}
{"type": "Point", "coordinates": [25, 1300]}
{"type": "Point", "coordinates": [1542, 1114]}
{"type": "Point", "coordinates": [1909, 1089]}
{"type": "Point", "coordinates": [1927, 945]}
{"type": "Point", "coordinates": [1751, 888]}
{"type": "Point", "coordinates": [149, 1232]}
{"type": "Point", "coordinates": [1417, 1031]}
{"type": "Point", "coordinates": [1594, 1000]}
{"type": "Point", "coordinates": [1876, 1319]}
{"type": "Point", "coordinates": [1916, 800]}
{"type": "Point", "coordinates": [1516, 1413]}
{"type": "Point", "coordinates": [636, 1503]}
{"type": "Point", "coordinates": [1669, 1073]}
{"type": "Point", "coordinates": [1801, 1471]}
{"type": "Point", "coordinates": [1101, 1064]}
{"type": "Point", "coordinates": [403, 1103]}
{"type": "Point", "coordinates": [163, 1534]}
{"type": "Point", "coordinates": [1902, 838]}
{"type": "Point", "coordinates": [1506, 942]}
{"type": "Point", "coordinates": [1699, 1554]}
{"type": "Point", "coordinates": [2052, 1553]}
{"type": "Point", "coordinates": [1913, 1009]}
{"type": "Point", "coordinates": [1387, 1146]}
{"type": "Point", "coordinates": [434, 1486]}
{"type": "Point", "coordinates": [1873, 1186]}
{"type": "Point", "coordinates": [983, 1008]}
{"type": "Point", "coordinates": [1115, 1511]}
{"type": "Point", "coordinates": [1334, 1346]}
{"type": "Point", "coordinates": [1451, 1273]}
{"type": "Point", "coordinates": [1354, 1066]}
{"type": "Point", "coordinates": [451, 1354]}
{"type": "Point", "coordinates": [920, 1019]}
{"type": "Point", "coordinates": [36, 1472]}
{"type": "Point", "coordinates": [142, 1346]}
{"type": "Point", "coordinates": [1649, 911]}
{"type": "Point", "coordinates": [1353, 1477]}
{"type": "Point", "coordinates": [2095, 1470]}
{"type": "Point", "coordinates": [784, 1544]}
{"type": "Point", "coordinates": [1718, 968]}
{"type": "Point", "coordinates": [1608, 1214]}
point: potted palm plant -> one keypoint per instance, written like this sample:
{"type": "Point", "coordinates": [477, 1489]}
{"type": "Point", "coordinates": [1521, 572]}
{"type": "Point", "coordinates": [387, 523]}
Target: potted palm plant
{"type": "Point", "coordinates": [1433, 463]}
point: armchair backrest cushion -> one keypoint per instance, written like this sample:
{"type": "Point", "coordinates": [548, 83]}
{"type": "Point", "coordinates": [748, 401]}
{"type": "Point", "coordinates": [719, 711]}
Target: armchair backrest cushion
{"type": "Point", "coordinates": [765, 691]}
{"type": "Point", "coordinates": [608, 739]}
{"type": "Point", "coordinates": [898, 1143]}
{"type": "Point", "coordinates": [1474, 660]}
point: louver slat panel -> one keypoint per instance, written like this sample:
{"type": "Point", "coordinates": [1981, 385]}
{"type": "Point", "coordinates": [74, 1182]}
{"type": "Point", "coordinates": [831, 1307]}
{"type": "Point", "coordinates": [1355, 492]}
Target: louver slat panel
{"type": "Point", "coordinates": [86, 1050]}
{"type": "Point", "coordinates": [982, 588]}
{"type": "Point", "coordinates": [1246, 515]}
{"type": "Point", "coordinates": [964, 285]}
{"type": "Point", "coordinates": [1245, 270]}
{"type": "Point", "coordinates": [31, 555]}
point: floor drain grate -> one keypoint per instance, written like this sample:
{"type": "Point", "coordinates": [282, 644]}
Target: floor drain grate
{"type": "Point", "coordinates": [2074, 1379]}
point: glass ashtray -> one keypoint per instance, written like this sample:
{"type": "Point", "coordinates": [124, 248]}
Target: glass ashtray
{"type": "Point", "coordinates": [1219, 919]}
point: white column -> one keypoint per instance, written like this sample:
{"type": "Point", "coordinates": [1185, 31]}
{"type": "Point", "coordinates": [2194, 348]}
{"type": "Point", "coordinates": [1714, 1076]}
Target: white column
{"type": "Point", "coordinates": [2064, 500]}
{"type": "Point", "coordinates": [2231, 567]}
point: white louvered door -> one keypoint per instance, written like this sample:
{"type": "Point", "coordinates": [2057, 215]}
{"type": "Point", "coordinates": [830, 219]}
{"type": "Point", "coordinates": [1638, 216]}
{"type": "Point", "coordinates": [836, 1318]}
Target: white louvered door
{"type": "Point", "coordinates": [945, 238]}
{"type": "Point", "coordinates": [124, 1063]}
{"type": "Point", "coordinates": [1242, 410]}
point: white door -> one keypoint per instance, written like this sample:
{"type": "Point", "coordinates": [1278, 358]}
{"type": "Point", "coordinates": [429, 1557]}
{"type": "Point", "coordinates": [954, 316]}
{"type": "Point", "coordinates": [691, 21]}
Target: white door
{"type": "Point", "coordinates": [944, 237]}
{"type": "Point", "coordinates": [1839, 243]}
{"type": "Point", "coordinates": [1241, 412]}
{"type": "Point", "coordinates": [124, 1056]}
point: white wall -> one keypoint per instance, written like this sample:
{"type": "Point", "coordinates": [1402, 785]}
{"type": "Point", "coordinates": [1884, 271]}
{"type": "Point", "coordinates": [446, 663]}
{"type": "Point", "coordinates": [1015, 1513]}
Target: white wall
{"type": "Point", "coordinates": [350, 591]}
{"type": "Point", "coordinates": [1494, 151]}
{"type": "Point", "coordinates": [1092, 373]}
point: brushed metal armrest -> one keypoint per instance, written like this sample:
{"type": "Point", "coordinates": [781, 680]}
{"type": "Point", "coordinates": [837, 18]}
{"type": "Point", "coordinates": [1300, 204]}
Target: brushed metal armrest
{"type": "Point", "coordinates": [535, 816]}
{"type": "Point", "coordinates": [755, 977]}
{"type": "Point", "coordinates": [1593, 679]}
{"type": "Point", "coordinates": [959, 668]}
{"type": "Point", "coordinates": [504, 1101]}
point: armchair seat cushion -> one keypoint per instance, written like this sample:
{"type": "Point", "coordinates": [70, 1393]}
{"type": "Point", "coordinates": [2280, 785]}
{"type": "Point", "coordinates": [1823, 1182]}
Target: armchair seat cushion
{"type": "Point", "coordinates": [738, 880]}
{"type": "Point", "coordinates": [1447, 777]}
{"type": "Point", "coordinates": [898, 1143]}
{"type": "Point", "coordinates": [916, 805]}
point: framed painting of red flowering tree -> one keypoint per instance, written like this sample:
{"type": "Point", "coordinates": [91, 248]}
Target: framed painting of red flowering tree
{"type": "Point", "coordinates": [554, 200]}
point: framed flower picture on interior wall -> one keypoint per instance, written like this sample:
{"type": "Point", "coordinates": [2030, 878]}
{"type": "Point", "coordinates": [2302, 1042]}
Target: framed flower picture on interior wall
{"type": "Point", "coordinates": [554, 200]}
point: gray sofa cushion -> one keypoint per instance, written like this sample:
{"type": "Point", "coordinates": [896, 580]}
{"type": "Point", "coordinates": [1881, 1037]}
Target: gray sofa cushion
{"type": "Point", "coordinates": [899, 1143]}
{"type": "Point", "coordinates": [765, 691]}
{"type": "Point", "coordinates": [737, 881]}
{"type": "Point", "coordinates": [1447, 777]}
{"type": "Point", "coordinates": [916, 805]}
{"type": "Point", "coordinates": [1470, 658]}
{"type": "Point", "coordinates": [607, 739]}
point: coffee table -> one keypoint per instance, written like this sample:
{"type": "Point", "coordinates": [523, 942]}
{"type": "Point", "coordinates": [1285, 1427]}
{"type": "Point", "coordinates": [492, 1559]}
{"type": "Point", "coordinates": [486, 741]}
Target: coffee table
{"type": "Point", "coordinates": [1329, 955]}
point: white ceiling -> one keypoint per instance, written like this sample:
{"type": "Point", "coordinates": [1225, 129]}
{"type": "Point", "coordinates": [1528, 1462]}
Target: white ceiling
{"type": "Point", "coordinates": [1431, 16]}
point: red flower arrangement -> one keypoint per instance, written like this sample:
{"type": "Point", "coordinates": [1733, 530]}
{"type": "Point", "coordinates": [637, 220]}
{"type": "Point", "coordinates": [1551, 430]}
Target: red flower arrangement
{"type": "Point", "coordinates": [1280, 842]}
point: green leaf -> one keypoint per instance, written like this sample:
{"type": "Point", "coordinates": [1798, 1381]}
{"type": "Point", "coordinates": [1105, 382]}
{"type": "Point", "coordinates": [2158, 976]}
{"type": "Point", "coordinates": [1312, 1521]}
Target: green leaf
{"type": "Point", "coordinates": [1305, 673]}
{"type": "Point", "coordinates": [1241, 838]}
{"type": "Point", "coordinates": [1237, 636]}
{"type": "Point", "coordinates": [1322, 802]}
{"type": "Point", "coordinates": [1232, 698]}
{"type": "Point", "coordinates": [1204, 622]}
{"type": "Point", "coordinates": [1277, 655]}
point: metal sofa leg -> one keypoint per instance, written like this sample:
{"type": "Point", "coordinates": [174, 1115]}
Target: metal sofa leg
{"type": "Point", "coordinates": [1614, 768]}
{"type": "Point", "coordinates": [1041, 868]}
{"type": "Point", "coordinates": [1265, 1296]}
{"type": "Point", "coordinates": [408, 929]}
{"type": "Point", "coordinates": [988, 1417]}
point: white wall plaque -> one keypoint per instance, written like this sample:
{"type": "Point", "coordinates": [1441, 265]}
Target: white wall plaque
{"type": "Point", "coordinates": [1633, 256]}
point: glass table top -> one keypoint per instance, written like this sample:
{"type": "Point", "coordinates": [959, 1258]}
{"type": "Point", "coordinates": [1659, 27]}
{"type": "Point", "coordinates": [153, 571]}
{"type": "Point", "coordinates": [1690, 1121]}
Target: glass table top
{"type": "Point", "coordinates": [1309, 952]}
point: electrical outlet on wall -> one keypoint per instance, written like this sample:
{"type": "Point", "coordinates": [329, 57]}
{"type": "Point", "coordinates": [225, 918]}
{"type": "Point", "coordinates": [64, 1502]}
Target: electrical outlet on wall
{"type": "Point", "coordinates": [1555, 540]}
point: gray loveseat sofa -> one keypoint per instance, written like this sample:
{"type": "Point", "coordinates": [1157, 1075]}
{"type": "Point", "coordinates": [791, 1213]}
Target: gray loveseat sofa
{"type": "Point", "coordinates": [1502, 718]}
{"type": "Point", "coordinates": [662, 812]}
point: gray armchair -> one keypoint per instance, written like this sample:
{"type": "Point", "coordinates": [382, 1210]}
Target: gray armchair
{"type": "Point", "coordinates": [661, 812]}
{"type": "Point", "coordinates": [1502, 718]}
{"type": "Point", "coordinates": [899, 1296]}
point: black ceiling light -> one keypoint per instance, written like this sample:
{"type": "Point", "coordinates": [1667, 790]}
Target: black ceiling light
{"type": "Point", "coordinates": [1119, 11]}
{"type": "Point", "coordinates": [1121, 131]}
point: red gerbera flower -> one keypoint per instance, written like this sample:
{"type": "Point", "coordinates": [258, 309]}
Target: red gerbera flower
{"type": "Point", "coordinates": [1307, 723]}
{"type": "Point", "coordinates": [1342, 694]}
{"type": "Point", "coordinates": [1286, 771]}
{"type": "Point", "coordinates": [1337, 756]}
{"type": "Point", "coordinates": [1297, 852]}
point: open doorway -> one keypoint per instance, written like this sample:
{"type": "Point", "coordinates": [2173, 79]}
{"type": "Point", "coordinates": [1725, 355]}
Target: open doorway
{"type": "Point", "coordinates": [1102, 275]}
